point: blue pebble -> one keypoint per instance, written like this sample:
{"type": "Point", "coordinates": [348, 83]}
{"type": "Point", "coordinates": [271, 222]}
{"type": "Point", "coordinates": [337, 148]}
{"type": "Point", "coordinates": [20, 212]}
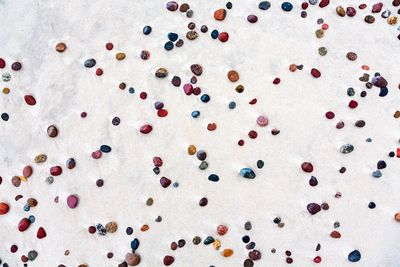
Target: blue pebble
{"type": "Point", "coordinates": [105, 148]}
{"type": "Point", "coordinates": [172, 36]}
{"type": "Point", "coordinates": [286, 6]}
{"type": "Point", "coordinates": [384, 91]}
{"type": "Point", "coordinates": [205, 98]}
{"type": "Point", "coordinates": [232, 105]}
{"type": "Point", "coordinates": [377, 174]}
{"type": "Point", "coordinates": [135, 244]}
{"type": "Point", "coordinates": [147, 30]}
{"type": "Point", "coordinates": [213, 178]}
{"type": "Point", "coordinates": [89, 63]}
{"type": "Point", "coordinates": [214, 34]}
{"type": "Point", "coordinates": [5, 117]}
{"type": "Point", "coordinates": [131, 90]}
{"type": "Point", "coordinates": [175, 185]}
{"type": "Point", "coordinates": [31, 218]}
{"type": "Point", "coordinates": [369, 140]}
{"type": "Point", "coordinates": [247, 173]}
{"type": "Point", "coordinates": [229, 5]}
{"type": "Point", "coordinates": [169, 45]}
{"type": "Point", "coordinates": [354, 256]}
{"type": "Point", "coordinates": [27, 207]}
{"type": "Point", "coordinates": [196, 114]}
{"type": "Point", "coordinates": [208, 240]}
{"type": "Point", "coordinates": [371, 205]}
{"type": "Point", "coordinates": [264, 5]}
{"type": "Point", "coordinates": [129, 230]}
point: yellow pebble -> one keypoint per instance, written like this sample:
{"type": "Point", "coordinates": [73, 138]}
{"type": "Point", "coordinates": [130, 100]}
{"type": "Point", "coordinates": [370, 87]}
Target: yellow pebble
{"type": "Point", "coordinates": [191, 150]}
{"type": "Point", "coordinates": [120, 56]}
{"type": "Point", "coordinates": [22, 178]}
{"type": "Point", "coordinates": [6, 90]}
{"type": "Point", "coordinates": [227, 252]}
{"type": "Point", "coordinates": [216, 244]}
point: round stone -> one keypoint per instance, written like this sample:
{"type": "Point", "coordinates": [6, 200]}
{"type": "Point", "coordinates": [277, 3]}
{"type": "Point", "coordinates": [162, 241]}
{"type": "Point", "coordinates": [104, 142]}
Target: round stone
{"type": "Point", "coordinates": [354, 256]}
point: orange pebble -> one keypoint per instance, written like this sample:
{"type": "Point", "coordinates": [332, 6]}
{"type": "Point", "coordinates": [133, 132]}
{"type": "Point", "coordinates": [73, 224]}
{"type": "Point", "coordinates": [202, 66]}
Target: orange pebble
{"type": "Point", "coordinates": [292, 67]}
{"type": "Point", "coordinates": [220, 14]}
{"type": "Point", "coordinates": [365, 67]}
{"type": "Point", "coordinates": [144, 228]}
{"type": "Point", "coordinates": [227, 252]}
{"type": "Point", "coordinates": [233, 76]}
{"type": "Point", "coordinates": [222, 229]}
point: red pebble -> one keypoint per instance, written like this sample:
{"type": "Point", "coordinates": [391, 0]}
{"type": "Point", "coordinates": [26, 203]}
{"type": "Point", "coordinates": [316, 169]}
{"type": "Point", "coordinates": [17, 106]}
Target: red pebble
{"type": "Point", "coordinates": [398, 152]}
{"type": "Point", "coordinates": [324, 3]}
{"type": "Point", "coordinates": [276, 81]}
{"type": "Point", "coordinates": [253, 101]}
{"type": "Point", "coordinates": [223, 37]}
{"type": "Point", "coordinates": [24, 258]}
{"type": "Point", "coordinates": [307, 167]}
{"type": "Point", "coordinates": [2, 63]}
{"type": "Point", "coordinates": [97, 154]}
{"type": "Point", "coordinates": [335, 234]}
{"type": "Point", "coordinates": [252, 134]}
{"type": "Point", "coordinates": [168, 260]}
{"type": "Point", "coordinates": [222, 229]}
{"type": "Point", "coordinates": [55, 170]}
{"type": "Point", "coordinates": [4, 208]}
{"type": "Point", "coordinates": [304, 5]}
{"type": "Point", "coordinates": [353, 104]}
{"type": "Point", "coordinates": [188, 89]}
{"type": "Point", "coordinates": [23, 224]}
{"type": "Point", "coordinates": [211, 126]}
{"type": "Point", "coordinates": [317, 259]}
{"type": "Point", "coordinates": [109, 46]}
{"type": "Point", "coordinates": [315, 73]}
{"type": "Point", "coordinates": [330, 115]}
{"type": "Point", "coordinates": [143, 95]}
{"type": "Point", "coordinates": [41, 233]}
{"type": "Point", "coordinates": [30, 100]}
{"type": "Point", "coordinates": [14, 248]}
{"type": "Point", "coordinates": [157, 161]}
{"type": "Point", "coordinates": [99, 72]}
{"type": "Point", "coordinates": [162, 113]}
{"type": "Point", "coordinates": [145, 129]}
{"type": "Point", "coordinates": [362, 6]}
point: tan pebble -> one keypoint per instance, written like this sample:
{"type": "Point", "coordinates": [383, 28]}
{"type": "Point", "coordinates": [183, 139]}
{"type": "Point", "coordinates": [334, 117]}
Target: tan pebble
{"type": "Point", "coordinates": [41, 158]}
{"type": "Point", "coordinates": [392, 20]}
{"type": "Point", "coordinates": [60, 47]}
{"type": "Point", "coordinates": [340, 11]}
{"type": "Point", "coordinates": [227, 252]}
{"type": "Point", "coordinates": [191, 150]}
{"type": "Point", "coordinates": [23, 178]}
{"type": "Point", "coordinates": [120, 56]}
{"type": "Point", "coordinates": [191, 35]}
{"type": "Point", "coordinates": [111, 227]}
{"type": "Point", "coordinates": [217, 244]}
{"type": "Point", "coordinates": [319, 33]}
{"type": "Point", "coordinates": [233, 76]}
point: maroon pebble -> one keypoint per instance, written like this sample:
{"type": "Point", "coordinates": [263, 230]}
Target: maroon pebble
{"type": "Point", "coordinates": [353, 104]}
{"type": "Point", "coordinates": [324, 3]}
{"type": "Point", "coordinates": [252, 18]}
{"type": "Point", "coordinates": [351, 11]}
{"type": "Point", "coordinates": [168, 260]}
{"type": "Point", "coordinates": [307, 167]}
{"type": "Point", "coordinates": [340, 125]}
{"type": "Point", "coordinates": [23, 224]}
{"type": "Point", "coordinates": [313, 208]}
{"type": "Point", "coordinates": [255, 255]}
{"type": "Point", "coordinates": [145, 129]}
{"type": "Point", "coordinates": [109, 46]}
{"type": "Point", "coordinates": [203, 202]}
{"type": "Point", "coordinates": [2, 63]}
{"type": "Point", "coordinates": [252, 134]}
{"type": "Point", "coordinates": [223, 37]}
{"type": "Point", "coordinates": [30, 100]}
{"type": "Point", "coordinates": [330, 115]}
{"type": "Point", "coordinates": [157, 161]}
{"type": "Point", "coordinates": [315, 73]}
{"type": "Point", "coordinates": [55, 170]}
{"type": "Point", "coordinates": [13, 249]}
{"type": "Point", "coordinates": [165, 182]}
{"type": "Point", "coordinates": [72, 201]}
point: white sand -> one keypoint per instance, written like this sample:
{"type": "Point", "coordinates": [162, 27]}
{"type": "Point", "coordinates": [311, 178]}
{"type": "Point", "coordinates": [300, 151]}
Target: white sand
{"type": "Point", "coordinates": [260, 52]}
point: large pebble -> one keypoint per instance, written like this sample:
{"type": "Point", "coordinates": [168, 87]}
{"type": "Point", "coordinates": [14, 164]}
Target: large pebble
{"type": "Point", "coordinates": [354, 256]}
{"type": "Point", "coordinates": [347, 148]}
{"type": "Point", "coordinates": [132, 259]}
{"type": "Point", "coordinates": [72, 201]}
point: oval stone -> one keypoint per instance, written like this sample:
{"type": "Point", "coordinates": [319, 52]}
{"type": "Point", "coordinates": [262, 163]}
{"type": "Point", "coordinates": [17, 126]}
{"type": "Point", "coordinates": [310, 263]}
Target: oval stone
{"type": "Point", "coordinates": [247, 173]}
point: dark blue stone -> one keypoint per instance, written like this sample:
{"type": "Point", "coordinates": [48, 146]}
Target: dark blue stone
{"type": "Point", "coordinates": [384, 91]}
{"type": "Point", "coordinates": [246, 239]}
{"type": "Point", "coordinates": [89, 63]}
{"type": "Point", "coordinates": [247, 173]}
{"type": "Point", "coordinates": [205, 98]}
{"type": "Point", "coordinates": [195, 114]}
{"type": "Point", "coordinates": [146, 30]}
{"type": "Point", "coordinates": [354, 256]}
{"type": "Point", "coordinates": [260, 164]}
{"type": "Point", "coordinates": [371, 205]}
{"type": "Point", "coordinates": [208, 240]}
{"type": "Point", "coordinates": [5, 116]}
{"type": "Point", "coordinates": [229, 5]}
{"type": "Point", "coordinates": [232, 105]}
{"type": "Point", "coordinates": [214, 34]}
{"type": "Point", "coordinates": [105, 148]}
{"type": "Point", "coordinates": [131, 90]}
{"type": "Point", "coordinates": [381, 165]}
{"type": "Point", "coordinates": [135, 244]}
{"type": "Point", "coordinates": [169, 45]}
{"type": "Point", "coordinates": [213, 177]}
{"type": "Point", "coordinates": [286, 6]}
{"type": "Point", "coordinates": [156, 170]}
{"type": "Point", "coordinates": [264, 5]}
{"type": "Point", "coordinates": [172, 36]}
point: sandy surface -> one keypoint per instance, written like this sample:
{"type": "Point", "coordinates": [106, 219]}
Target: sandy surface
{"type": "Point", "coordinates": [260, 52]}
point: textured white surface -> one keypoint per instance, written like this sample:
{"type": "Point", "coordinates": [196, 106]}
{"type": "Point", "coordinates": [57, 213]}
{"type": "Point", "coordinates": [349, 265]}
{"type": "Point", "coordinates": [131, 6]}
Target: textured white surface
{"type": "Point", "coordinates": [260, 52]}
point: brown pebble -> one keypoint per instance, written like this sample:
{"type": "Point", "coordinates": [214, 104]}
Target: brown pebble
{"type": "Point", "coordinates": [52, 131]}
{"type": "Point", "coordinates": [184, 7]}
{"type": "Point", "coordinates": [397, 114]}
{"type": "Point", "coordinates": [397, 216]}
{"type": "Point", "coordinates": [111, 227]}
{"type": "Point", "coordinates": [41, 158]}
{"type": "Point", "coordinates": [120, 56]}
{"type": "Point", "coordinates": [32, 202]}
{"type": "Point", "coordinates": [351, 56]}
{"type": "Point", "coordinates": [340, 11]}
{"type": "Point", "coordinates": [191, 35]}
{"type": "Point", "coordinates": [149, 201]}
{"type": "Point", "coordinates": [16, 181]}
{"type": "Point", "coordinates": [233, 75]}
{"type": "Point", "coordinates": [369, 19]}
{"type": "Point", "coordinates": [60, 47]}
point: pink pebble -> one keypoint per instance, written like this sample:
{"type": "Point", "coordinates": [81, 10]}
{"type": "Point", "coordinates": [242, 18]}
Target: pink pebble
{"type": "Point", "coordinates": [262, 121]}
{"type": "Point", "coordinates": [96, 154]}
{"type": "Point", "coordinates": [72, 201]}
{"type": "Point", "coordinates": [188, 89]}
{"type": "Point", "coordinates": [325, 26]}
